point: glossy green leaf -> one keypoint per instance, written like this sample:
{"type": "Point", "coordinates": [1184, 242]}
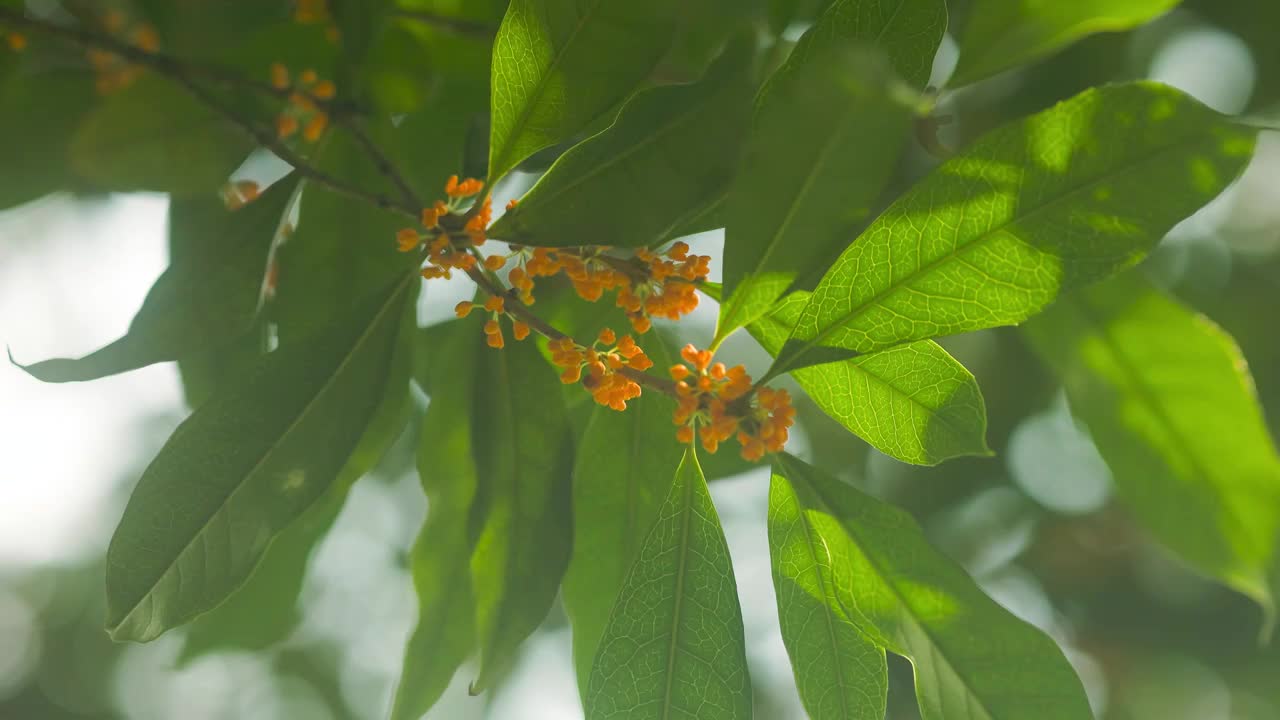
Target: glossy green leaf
{"type": "Point", "coordinates": [622, 474]}
{"type": "Point", "coordinates": [1171, 407]}
{"type": "Point", "coordinates": [440, 560]}
{"type": "Point", "coordinates": [913, 402]}
{"type": "Point", "coordinates": [840, 673]}
{"type": "Point", "coordinates": [558, 65]}
{"type": "Point", "coordinates": [1043, 205]}
{"type": "Point", "coordinates": [207, 298]}
{"type": "Point", "coordinates": [264, 611]}
{"type": "Point", "coordinates": [125, 144]}
{"type": "Point", "coordinates": [244, 465]}
{"type": "Point", "coordinates": [828, 130]}
{"type": "Point", "coordinates": [972, 658]}
{"type": "Point", "coordinates": [1003, 34]}
{"type": "Point", "coordinates": [669, 155]}
{"type": "Point", "coordinates": [524, 466]}
{"type": "Point", "coordinates": [673, 646]}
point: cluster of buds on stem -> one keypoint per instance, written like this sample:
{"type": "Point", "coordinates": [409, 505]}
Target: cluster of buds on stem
{"type": "Point", "coordinates": [113, 72]}
{"type": "Point", "coordinates": [599, 367]}
{"type": "Point", "coordinates": [448, 249]}
{"type": "Point", "coordinates": [238, 193]}
{"type": "Point", "coordinates": [717, 403]}
{"type": "Point", "coordinates": [648, 285]}
{"type": "Point", "coordinates": [312, 12]}
{"type": "Point", "coordinates": [303, 110]}
{"type": "Point", "coordinates": [497, 309]}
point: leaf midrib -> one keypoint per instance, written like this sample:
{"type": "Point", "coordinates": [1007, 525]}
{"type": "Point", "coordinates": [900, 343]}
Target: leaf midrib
{"type": "Point", "coordinates": [686, 520]}
{"type": "Point", "coordinates": [937, 648]}
{"type": "Point", "coordinates": [981, 238]}
{"type": "Point", "coordinates": [293, 425]}
{"type": "Point", "coordinates": [540, 87]}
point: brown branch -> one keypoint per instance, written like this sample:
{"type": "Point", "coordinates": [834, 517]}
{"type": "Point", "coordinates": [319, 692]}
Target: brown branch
{"type": "Point", "coordinates": [457, 26]}
{"type": "Point", "coordinates": [181, 73]}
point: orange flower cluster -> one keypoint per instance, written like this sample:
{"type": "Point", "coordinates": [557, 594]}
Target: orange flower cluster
{"type": "Point", "coordinates": [447, 252]}
{"type": "Point", "coordinates": [603, 365]}
{"type": "Point", "coordinates": [113, 72]}
{"type": "Point", "coordinates": [722, 403]}
{"type": "Point", "coordinates": [238, 193]}
{"type": "Point", "coordinates": [657, 286]}
{"type": "Point", "coordinates": [310, 12]}
{"type": "Point", "coordinates": [303, 110]}
{"type": "Point", "coordinates": [17, 42]}
{"type": "Point", "coordinates": [496, 307]}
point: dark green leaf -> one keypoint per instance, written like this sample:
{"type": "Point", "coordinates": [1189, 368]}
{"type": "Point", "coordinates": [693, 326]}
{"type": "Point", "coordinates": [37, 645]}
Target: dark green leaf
{"type": "Point", "coordinates": [35, 141]}
{"type": "Point", "coordinates": [207, 298]}
{"type": "Point", "coordinates": [1056, 201]}
{"type": "Point", "coordinates": [524, 466]}
{"type": "Point", "coordinates": [622, 475]}
{"type": "Point", "coordinates": [245, 464]}
{"type": "Point", "coordinates": [828, 130]}
{"type": "Point", "coordinates": [264, 611]}
{"type": "Point", "coordinates": [560, 64]}
{"type": "Point", "coordinates": [1172, 409]}
{"type": "Point", "coordinates": [668, 156]}
{"type": "Point", "coordinates": [972, 658]}
{"type": "Point", "coordinates": [1002, 34]}
{"type": "Point", "coordinates": [126, 144]}
{"type": "Point", "coordinates": [673, 646]}
{"type": "Point", "coordinates": [440, 561]}
{"type": "Point", "coordinates": [840, 673]}
{"type": "Point", "coordinates": [913, 402]}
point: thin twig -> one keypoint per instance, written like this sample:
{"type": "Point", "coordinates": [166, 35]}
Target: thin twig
{"type": "Point", "coordinates": [381, 161]}
{"type": "Point", "coordinates": [513, 306]}
{"type": "Point", "coordinates": [458, 26]}
{"type": "Point", "coordinates": [178, 72]}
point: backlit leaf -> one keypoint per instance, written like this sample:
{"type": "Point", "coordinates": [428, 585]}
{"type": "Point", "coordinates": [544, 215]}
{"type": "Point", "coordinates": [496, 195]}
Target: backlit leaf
{"type": "Point", "coordinates": [1171, 407]}
{"type": "Point", "coordinates": [1049, 203]}
{"type": "Point", "coordinates": [669, 155]}
{"type": "Point", "coordinates": [560, 64]}
{"type": "Point", "coordinates": [840, 673]}
{"type": "Point", "coordinates": [622, 474]}
{"type": "Point", "coordinates": [673, 646]}
{"type": "Point", "coordinates": [440, 560]}
{"type": "Point", "coordinates": [244, 465]}
{"type": "Point", "coordinates": [524, 462]}
{"type": "Point", "coordinates": [828, 129]}
{"type": "Point", "coordinates": [913, 402]}
{"type": "Point", "coordinates": [206, 298]}
{"type": "Point", "coordinates": [972, 658]}
{"type": "Point", "coordinates": [1002, 34]}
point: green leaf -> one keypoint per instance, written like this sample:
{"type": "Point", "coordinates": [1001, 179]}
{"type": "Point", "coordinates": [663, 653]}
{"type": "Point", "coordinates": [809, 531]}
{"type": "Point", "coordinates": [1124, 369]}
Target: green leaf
{"type": "Point", "coordinates": [126, 145]}
{"type": "Point", "coordinates": [828, 130]}
{"type": "Point", "coordinates": [245, 464]}
{"type": "Point", "coordinates": [1002, 34]}
{"type": "Point", "coordinates": [1171, 406]}
{"type": "Point", "coordinates": [621, 477]}
{"type": "Point", "coordinates": [1043, 205]}
{"type": "Point", "coordinates": [669, 155]}
{"type": "Point", "coordinates": [264, 611]}
{"type": "Point", "coordinates": [558, 65]}
{"type": "Point", "coordinates": [972, 658]}
{"type": "Point", "coordinates": [524, 468]}
{"type": "Point", "coordinates": [207, 298]}
{"type": "Point", "coordinates": [673, 646]}
{"type": "Point", "coordinates": [35, 163]}
{"type": "Point", "coordinates": [913, 402]}
{"type": "Point", "coordinates": [840, 673]}
{"type": "Point", "coordinates": [343, 248]}
{"type": "Point", "coordinates": [440, 560]}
